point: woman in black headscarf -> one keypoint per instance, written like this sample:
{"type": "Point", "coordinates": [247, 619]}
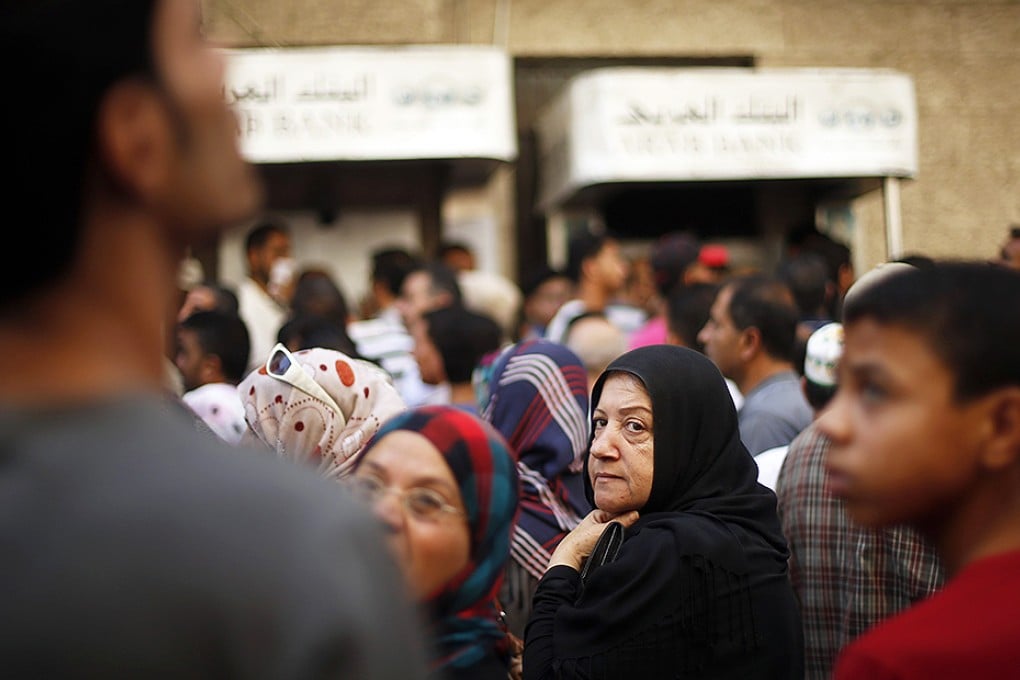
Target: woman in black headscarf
{"type": "Point", "coordinates": [699, 588]}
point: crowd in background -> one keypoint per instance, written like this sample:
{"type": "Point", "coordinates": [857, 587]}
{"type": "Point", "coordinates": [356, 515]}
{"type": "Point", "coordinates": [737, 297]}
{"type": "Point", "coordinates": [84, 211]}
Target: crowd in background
{"type": "Point", "coordinates": [525, 359]}
{"type": "Point", "coordinates": [660, 466]}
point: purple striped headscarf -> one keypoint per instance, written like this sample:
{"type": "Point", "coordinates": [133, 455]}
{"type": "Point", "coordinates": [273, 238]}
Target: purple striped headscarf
{"type": "Point", "coordinates": [538, 400]}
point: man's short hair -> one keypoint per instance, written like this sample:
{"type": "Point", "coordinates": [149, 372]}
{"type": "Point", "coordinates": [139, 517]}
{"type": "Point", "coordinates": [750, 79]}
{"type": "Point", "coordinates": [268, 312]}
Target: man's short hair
{"type": "Point", "coordinates": [807, 238]}
{"type": "Point", "coordinates": [584, 243]}
{"type": "Point", "coordinates": [63, 57]}
{"type": "Point", "coordinates": [534, 278]}
{"type": "Point", "coordinates": [225, 298]}
{"type": "Point", "coordinates": [306, 330]}
{"type": "Point", "coordinates": [391, 265]}
{"type": "Point", "coordinates": [687, 311]}
{"type": "Point", "coordinates": [807, 275]}
{"type": "Point", "coordinates": [967, 312]}
{"type": "Point", "coordinates": [261, 232]}
{"type": "Point", "coordinates": [224, 335]}
{"type": "Point", "coordinates": [766, 303]}
{"type": "Point", "coordinates": [670, 257]}
{"type": "Point", "coordinates": [317, 292]}
{"type": "Point", "coordinates": [448, 248]}
{"type": "Point", "coordinates": [462, 338]}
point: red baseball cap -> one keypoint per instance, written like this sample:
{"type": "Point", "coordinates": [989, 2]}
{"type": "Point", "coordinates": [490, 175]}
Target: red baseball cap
{"type": "Point", "coordinates": [715, 256]}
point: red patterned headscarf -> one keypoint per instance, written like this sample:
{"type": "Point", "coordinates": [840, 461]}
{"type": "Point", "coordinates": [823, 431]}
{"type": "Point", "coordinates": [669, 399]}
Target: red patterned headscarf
{"type": "Point", "coordinates": [464, 610]}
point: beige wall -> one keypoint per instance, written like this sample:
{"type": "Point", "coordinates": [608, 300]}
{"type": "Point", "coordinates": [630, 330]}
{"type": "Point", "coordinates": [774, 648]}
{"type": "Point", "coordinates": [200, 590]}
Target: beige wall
{"type": "Point", "coordinates": [964, 57]}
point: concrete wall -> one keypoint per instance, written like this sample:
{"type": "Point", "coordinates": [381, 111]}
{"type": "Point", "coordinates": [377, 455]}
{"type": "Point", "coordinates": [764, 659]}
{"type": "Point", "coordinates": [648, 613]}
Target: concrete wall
{"type": "Point", "coordinates": [964, 57]}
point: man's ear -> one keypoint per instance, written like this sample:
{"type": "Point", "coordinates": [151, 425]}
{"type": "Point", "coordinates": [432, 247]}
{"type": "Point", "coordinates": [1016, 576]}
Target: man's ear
{"type": "Point", "coordinates": [749, 342]}
{"type": "Point", "coordinates": [1003, 446]}
{"type": "Point", "coordinates": [135, 137]}
{"type": "Point", "coordinates": [211, 367]}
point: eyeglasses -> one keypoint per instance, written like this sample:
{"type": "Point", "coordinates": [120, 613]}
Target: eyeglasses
{"type": "Point", "coordinates": [284, 367]}
{"type": "Point", "coordinates": [421, 503]}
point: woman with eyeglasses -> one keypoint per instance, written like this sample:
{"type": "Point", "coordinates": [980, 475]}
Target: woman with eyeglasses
{"type": "Point", "coordinates": [444, 484]}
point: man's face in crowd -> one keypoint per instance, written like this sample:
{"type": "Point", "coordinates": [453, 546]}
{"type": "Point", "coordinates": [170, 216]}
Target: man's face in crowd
{"type": "Point", "coordinates": [541, 306]}
{"type": "Point", "coordinates": [207, 182]}
{"type": "Point", "coordinates": [416, 296]}
{"type": "Point", "coordinates": [262, 259]}
{"type": "Point", "coordinates": [610, 267]}
{"type": "Point", "coordinates": [720, 337]}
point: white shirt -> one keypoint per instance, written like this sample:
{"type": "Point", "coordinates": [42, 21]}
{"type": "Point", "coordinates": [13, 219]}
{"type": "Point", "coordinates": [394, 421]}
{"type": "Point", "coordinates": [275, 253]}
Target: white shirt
{"type": "Point", "coordinates": [263, 316]}
{"type": "Point", "coordinates": [627, 319]}
{"type": "Point", "coordinates": [220, 406]}
{"type": "Point", "coordinates": [769, 461]}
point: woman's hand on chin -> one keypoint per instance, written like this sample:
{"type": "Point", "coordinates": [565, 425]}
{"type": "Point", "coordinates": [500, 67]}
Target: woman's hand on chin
{"type": "Point", "coordinates": [575, 547]}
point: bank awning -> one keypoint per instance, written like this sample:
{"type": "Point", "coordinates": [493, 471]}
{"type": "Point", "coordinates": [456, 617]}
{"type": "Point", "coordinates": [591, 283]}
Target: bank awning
{"type": "Point", "coordinates": [623, 124]}
{"type": "Point", "coordinates": [854, 129]}
{"type": "Point", "coordinates": [373, 103]}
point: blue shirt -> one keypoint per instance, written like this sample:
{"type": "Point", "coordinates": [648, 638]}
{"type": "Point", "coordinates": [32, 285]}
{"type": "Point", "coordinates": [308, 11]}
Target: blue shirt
{"type": "Point", "coordinates": [773, 413]}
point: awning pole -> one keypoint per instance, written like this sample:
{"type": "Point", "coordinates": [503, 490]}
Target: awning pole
{"type": "Point", "coordinates": [893, 219]}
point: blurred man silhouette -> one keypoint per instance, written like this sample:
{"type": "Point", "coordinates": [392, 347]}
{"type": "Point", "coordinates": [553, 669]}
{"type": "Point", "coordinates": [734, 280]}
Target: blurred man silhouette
{"type": "Point", "coordinates": [134, 544]}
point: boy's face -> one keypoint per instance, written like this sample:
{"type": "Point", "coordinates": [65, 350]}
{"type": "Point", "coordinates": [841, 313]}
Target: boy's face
{"type": "Point", "coordinates": [189, 358]}
{"type": "Point", "coordinates": [902, 449]}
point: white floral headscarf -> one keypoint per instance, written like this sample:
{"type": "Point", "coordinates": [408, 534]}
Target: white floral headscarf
{"type": "Point", "coordinates": [302, 427]}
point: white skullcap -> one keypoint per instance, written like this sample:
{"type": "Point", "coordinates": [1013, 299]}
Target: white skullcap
{"type": "Point", "coordinates": [824, 348]}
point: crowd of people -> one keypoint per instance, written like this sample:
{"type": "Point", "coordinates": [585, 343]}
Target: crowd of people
{"type": "Point", "coordinates": [659, 466]}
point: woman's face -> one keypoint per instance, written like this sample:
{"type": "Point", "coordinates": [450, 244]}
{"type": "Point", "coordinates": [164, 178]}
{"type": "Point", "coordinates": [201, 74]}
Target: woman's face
{"type": "Point", "coordinates": [621, 463]}
{"type": "Point", "coordinates": [431, 550]}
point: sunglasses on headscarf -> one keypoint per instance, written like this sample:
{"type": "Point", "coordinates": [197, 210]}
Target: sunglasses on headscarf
{"type": "Point", "coordinates": [284, 367]}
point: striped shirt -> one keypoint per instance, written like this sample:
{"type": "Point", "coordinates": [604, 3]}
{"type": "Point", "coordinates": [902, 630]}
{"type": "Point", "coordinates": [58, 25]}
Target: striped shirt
{"type": "Point", "coordinates": [385, 340]}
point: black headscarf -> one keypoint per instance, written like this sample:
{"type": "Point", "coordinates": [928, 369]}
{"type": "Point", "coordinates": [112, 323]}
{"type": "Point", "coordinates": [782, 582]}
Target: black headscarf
{"type": "Point", "coordinates": [700, 585]}
{"type": "Point", "coordinates": [700, 464]}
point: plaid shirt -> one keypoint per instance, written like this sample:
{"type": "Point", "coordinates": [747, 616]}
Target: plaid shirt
{"type": "Point", "coordinates": [846, 577]}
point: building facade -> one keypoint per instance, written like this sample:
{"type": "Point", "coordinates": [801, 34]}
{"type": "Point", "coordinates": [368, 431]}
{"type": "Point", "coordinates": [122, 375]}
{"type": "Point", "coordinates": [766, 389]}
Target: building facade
{"type": "Point", "coordinates": [962, 58]}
